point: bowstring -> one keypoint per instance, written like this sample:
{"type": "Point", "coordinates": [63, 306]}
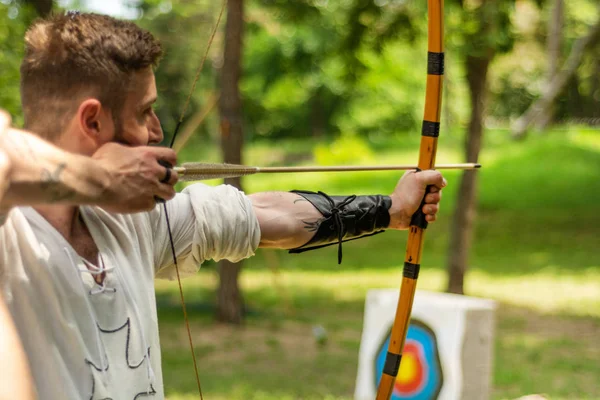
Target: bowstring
{"type": "Point", "coordinates": [198, 71]}
{"type": "Point", "coordinates": [185, 106]}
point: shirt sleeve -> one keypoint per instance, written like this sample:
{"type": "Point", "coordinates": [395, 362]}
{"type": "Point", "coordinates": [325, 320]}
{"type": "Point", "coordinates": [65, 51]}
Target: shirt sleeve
{"type": "Point", "coordinates": [207, 222]}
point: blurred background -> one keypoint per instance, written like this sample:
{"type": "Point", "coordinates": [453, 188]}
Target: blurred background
{"type": "Point", "coordinates": [342, 82]}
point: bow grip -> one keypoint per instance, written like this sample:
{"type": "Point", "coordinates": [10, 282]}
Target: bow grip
{"type": "Point", "coordinates": [167, 165]}
{"type": "Point", "coordinates": [418, 218]}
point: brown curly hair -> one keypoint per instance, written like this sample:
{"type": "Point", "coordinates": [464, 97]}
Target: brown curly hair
{"type": "Point", "coordinates": [73, 56]}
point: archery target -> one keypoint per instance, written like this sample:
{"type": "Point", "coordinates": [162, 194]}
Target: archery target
{"type": "Point", "coordinates": [447, 354]}
{"type": "Point", "coordinates": [420, 374]}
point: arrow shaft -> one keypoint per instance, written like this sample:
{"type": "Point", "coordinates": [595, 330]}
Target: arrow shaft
{"type": "Point", "coordinates": [199, 171]}
{"type": "Point", "coordinates": [464, 166]}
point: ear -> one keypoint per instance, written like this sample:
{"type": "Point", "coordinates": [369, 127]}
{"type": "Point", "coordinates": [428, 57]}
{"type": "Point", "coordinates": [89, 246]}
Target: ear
{"type": "Point", "coordinates": [94, 122]}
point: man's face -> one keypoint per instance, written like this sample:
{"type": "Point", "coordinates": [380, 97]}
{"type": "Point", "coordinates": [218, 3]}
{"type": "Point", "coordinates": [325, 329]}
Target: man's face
{"type": "Point", "coordinates": [139, 124]}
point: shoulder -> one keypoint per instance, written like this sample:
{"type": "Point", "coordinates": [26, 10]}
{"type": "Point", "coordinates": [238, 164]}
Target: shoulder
{"type": "Point", "coordinates": [118, 223]}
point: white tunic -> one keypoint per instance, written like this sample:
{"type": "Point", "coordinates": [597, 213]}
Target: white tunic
{"type": "Point", "coordinates": [86, 341]}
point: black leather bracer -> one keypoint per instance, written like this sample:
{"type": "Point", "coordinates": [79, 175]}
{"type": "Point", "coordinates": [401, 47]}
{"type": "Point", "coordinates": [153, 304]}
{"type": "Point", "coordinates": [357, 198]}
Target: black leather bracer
{"type": "Point", "coordinates": [345, 218]}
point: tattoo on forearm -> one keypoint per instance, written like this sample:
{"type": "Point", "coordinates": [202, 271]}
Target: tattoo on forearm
{"type": "Point", "coordinates": [313, 226]}
{"type": "Point", "coordinates": [52, 184]}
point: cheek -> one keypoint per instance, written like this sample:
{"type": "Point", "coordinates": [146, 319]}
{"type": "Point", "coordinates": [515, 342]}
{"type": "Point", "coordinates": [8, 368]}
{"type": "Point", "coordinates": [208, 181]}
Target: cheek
{"type": "Point", "coordinates": [135, 134]}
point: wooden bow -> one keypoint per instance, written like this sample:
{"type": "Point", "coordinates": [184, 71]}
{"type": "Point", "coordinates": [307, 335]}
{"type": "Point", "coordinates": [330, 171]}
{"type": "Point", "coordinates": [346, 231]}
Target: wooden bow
{"type": "Point", "coordinates": [418, 225]}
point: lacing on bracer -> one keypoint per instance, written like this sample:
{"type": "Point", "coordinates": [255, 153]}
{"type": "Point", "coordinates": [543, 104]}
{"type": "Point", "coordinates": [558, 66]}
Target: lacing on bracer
{"type": "Point", "coordinates": [337, 218]}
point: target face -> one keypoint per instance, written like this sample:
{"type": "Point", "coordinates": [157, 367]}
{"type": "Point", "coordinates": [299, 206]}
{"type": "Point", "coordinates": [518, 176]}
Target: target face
{"type": "Point", "coordinates": [420, 374]}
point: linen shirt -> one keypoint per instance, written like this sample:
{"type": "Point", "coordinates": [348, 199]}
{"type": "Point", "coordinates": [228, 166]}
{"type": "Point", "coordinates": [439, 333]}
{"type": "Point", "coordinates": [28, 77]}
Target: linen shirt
{"type": "Point", "coordinates": [89, 341]}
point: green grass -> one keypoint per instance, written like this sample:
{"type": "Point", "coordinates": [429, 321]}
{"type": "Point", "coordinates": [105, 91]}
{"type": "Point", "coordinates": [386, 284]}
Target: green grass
{"type": "Point", "coordinates": [536, 250]}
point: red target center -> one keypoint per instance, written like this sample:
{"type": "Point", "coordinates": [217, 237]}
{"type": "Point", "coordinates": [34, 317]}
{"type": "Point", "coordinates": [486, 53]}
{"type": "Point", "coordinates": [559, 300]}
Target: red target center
{"type": "Point", "coordinates": [411, 375]}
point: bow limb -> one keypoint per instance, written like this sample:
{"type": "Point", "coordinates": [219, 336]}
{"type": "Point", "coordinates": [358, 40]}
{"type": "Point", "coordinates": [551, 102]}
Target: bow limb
{"type": "Point", "coordinates": [427, 153]}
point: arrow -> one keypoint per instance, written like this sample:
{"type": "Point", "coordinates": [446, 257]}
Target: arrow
{"type": "Point", "coordinates": [202, 171]}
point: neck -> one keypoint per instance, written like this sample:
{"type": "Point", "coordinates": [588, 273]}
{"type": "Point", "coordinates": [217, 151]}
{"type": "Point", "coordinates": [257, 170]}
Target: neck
{"type": "Point", "coordinates": [64, 218]}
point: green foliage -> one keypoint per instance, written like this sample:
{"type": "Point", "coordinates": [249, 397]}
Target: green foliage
{"type": "Point", "coordinates": [518, 77]}
{"type": "Point", "coordinates": [311, 69]}
{"type": "Point", "coordinates": [324, 68]}
{"type": "Point", "coordinates": [13, 22]}
{"type": "Point", "coordinates": [346, 150]}
{"type": "Point", "coordinates": [485, 27]}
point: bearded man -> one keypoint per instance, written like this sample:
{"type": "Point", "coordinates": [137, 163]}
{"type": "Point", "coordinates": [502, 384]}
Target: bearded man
{"type": "Point", "coordinates": [78, 279]}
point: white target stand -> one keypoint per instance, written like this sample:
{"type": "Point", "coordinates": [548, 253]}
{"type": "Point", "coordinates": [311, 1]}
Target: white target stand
{"type": "Point", "coordinates": [448, 352]}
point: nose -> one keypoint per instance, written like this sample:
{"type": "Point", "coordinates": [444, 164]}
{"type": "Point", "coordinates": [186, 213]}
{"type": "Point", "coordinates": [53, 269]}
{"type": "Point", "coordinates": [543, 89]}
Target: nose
{"type": "Point", "coordinates": [155, 132]}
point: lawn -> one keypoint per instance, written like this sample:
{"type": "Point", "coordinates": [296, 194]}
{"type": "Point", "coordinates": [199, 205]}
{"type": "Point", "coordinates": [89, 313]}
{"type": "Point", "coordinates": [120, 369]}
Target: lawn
{"type": "Point", "coordinates": [536, 251]}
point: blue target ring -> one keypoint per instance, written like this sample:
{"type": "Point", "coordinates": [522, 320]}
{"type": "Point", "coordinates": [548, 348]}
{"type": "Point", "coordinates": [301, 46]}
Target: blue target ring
{"type": "Point", "coordinates": [420, 376]}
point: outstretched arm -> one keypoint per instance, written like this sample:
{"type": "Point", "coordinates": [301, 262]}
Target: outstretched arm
{"type": "Point", "coordinates": [288, 220]}
{"type": "Point", "coordinates": [116, 177]}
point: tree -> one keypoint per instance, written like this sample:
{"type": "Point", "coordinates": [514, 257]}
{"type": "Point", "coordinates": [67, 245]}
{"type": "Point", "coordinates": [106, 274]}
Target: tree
{"type": "Point", "coordinates": [487, 27]}
{"type": "Point", "coordinates": [560, 81]}
{"type": "Point", "coordinates": [553, 45]}
{"type": "Point", "coordinates": [310, 65]}
{"type": "Point", "coordinates": [230, 304]}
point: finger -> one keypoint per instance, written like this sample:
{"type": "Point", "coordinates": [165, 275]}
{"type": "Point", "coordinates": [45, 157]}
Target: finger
{"type": "Point", "coordinates": [167, 172]}
{"type": "Point", "coordinates": [165, 191]}
{"type": "Point", "coordinates": [173, 179]}
{"type": "Point", "coordinates": [432, 178]}
{"type": "Point", "coordinates": [430, 218]}
{"type": "Point", "coordinates": [163, 153]}
{"type": "Point", "coordinates": [430, 209]}
{"type": "Point", "coordinates": [433, 198]}
{"type": "Point", "coordinates": [434, 189]}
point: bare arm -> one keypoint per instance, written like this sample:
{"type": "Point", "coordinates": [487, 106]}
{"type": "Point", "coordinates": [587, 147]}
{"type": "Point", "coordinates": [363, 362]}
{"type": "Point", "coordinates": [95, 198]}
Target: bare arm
{"type": "Point", "coordinates": [288, 221]}
{"type": "Point", "coordinates": [15, 380]}
{"type": "Point", "coordinates": [119, 178]}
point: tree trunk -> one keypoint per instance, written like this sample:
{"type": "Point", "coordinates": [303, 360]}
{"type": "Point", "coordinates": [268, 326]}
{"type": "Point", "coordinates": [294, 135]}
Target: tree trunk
{"type": "Point", "coordinates": [461, 231]}
{"type": "Point", "coordinates": [558, 83]}
{"type": "Point", "coordinates": [554, 43]}
{"type": "Point", "coordinates": [230, 303]}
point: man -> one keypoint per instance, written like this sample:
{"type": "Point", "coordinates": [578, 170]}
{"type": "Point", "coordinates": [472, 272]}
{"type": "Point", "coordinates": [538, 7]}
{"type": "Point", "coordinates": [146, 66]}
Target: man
{"type": "Point", "coordinates": [108, 180]}
{"type": "Point", "coordinates": [80, 286]}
